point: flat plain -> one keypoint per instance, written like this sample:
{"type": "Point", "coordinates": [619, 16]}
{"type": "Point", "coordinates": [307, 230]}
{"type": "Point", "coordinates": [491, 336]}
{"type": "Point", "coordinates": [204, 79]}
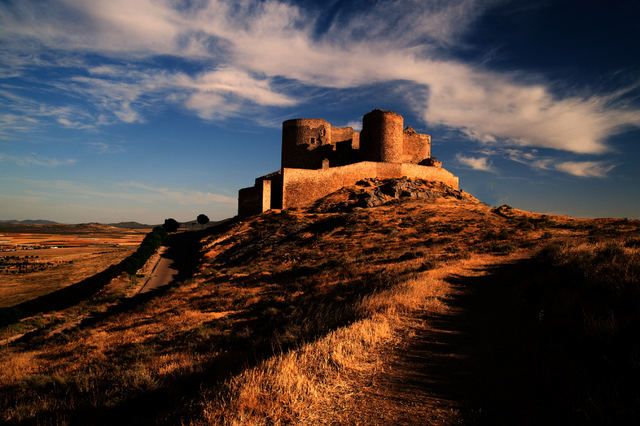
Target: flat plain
{"type": "Point", "coordinates": [49, 258]}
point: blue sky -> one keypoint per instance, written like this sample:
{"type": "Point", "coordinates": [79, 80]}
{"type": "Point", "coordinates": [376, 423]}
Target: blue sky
{"type": "Point", "coordinates": [141, 110]}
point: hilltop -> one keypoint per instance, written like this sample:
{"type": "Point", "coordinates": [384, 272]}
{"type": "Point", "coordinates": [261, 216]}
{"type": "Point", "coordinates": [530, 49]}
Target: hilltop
{"type": "Point", "coordinates": [385, 302]}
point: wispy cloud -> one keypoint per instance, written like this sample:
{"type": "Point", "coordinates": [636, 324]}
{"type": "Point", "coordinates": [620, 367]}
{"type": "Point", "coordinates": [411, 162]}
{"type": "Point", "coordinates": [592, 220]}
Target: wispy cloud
{"type": "Point", "coordinates": [176, 195]}
{"type": "Point", "coordinates": [534, 160]}
{"type": "Point", "coordinates": [585, 168]}
{"type": "Point", "coordinates": [36, 160]}
{"type": "Point", "coordinates": [475, 163]}
{"type": "Point", "coordinates": [130, 191]}
{"type": "Point", "coordinates": [106, 148]}
{"type": "Point", "coordinates": [248, 45]}
{"type": "Point", "coordinates": [25, 115]}
{"type": "Point", "coordinates": [222, 92]}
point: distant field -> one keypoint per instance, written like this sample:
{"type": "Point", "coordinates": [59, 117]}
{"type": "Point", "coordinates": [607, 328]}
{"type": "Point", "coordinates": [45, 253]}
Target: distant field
{"type": "Point", "coordinates": [37, 263]}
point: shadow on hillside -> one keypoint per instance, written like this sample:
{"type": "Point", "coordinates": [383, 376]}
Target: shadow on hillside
{"type": "Point", "coordinates": [493, 355]}
{"type": "Point", "coordinates": [243, 340]}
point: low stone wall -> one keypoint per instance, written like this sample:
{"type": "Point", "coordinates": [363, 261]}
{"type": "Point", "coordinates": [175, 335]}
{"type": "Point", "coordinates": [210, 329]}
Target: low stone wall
{"type": "Point", "coordinates": [302, 187]}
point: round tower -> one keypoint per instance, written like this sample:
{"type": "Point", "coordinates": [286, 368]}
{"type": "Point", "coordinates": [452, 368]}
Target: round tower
{"type": "Point", "coordinates": [301, 138]}
{"type": "Point", "coordinates": [382, 136]}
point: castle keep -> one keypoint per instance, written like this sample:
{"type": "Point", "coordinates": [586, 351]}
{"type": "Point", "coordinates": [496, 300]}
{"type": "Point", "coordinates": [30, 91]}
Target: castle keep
{"type": "Point", "coordinates": [318, 159]}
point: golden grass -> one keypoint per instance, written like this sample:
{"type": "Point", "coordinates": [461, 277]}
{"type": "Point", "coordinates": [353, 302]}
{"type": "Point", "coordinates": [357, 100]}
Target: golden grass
{"type": "Point", "coordinates": [316, 383]}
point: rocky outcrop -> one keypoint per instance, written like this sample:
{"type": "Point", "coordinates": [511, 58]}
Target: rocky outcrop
{"type": "Point", "coordinates": [373, 192]}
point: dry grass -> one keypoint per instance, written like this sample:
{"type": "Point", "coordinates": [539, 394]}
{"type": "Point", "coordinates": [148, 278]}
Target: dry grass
{"type": "Point", "coordinates": [317, 382]}
{"type": "Point", "coordinates": [80, 257]}
{"type": "Point", "coordinates": [288, 318]}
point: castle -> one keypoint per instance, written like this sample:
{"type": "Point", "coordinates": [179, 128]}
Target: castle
{"type": "Point", "coordinates": [318, 159]}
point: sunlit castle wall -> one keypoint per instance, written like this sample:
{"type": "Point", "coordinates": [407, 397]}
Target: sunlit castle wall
{"type": "Point", "coordinates": [417, 147]}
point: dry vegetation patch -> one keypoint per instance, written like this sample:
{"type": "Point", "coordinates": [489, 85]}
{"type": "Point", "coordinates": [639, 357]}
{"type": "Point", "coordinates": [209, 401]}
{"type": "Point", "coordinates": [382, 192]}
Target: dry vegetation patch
{"type": "Point", "coordinates": [325, 380]}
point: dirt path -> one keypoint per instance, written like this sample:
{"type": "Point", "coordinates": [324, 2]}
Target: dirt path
{"type": "Point", "coordinates": [425, 380]}
{"type": "Point", "coordinates": [162, 274]}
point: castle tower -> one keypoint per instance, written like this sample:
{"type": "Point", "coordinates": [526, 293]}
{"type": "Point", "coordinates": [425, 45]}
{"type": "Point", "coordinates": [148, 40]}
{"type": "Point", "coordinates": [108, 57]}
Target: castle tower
{"type": "Point", "coordinates": [304, 142]}
{"type": "Point", "coordinates": [382, 136]}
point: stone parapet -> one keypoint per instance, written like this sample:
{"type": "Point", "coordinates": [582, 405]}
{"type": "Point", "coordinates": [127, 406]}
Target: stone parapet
{"type": "Point", "coordinates": [301, 187]}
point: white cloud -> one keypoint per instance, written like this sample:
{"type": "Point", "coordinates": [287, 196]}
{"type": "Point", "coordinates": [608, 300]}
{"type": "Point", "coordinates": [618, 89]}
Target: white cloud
{"type": "Point", "coordinates": [542, 164]}
{"type": "Point", "coordinates": [220, 93]}
{"type": "Point", "coordinates": [25, 114]}
{"type": "Point", "coordinates": [475, 163]}
{"type": "Point", "coordinates": [585, 168]}
{"type": "Point", "coordinates": [574, 168]}
{"type": "Point", "coordinates": [249, 43]}
{"type": "Point", "coordinates": [36, 160]}
{"type": "Point", "coordinates": [106, 148]}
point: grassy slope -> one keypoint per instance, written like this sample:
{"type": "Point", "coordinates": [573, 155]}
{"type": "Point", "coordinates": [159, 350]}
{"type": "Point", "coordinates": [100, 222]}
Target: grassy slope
{"type": "Point", "coordinates": [291, 317]}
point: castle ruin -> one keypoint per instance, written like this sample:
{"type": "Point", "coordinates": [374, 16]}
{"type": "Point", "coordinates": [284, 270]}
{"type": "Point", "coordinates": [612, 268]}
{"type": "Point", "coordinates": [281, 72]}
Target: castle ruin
{"type": "Point", "coordinates": [318, 159]}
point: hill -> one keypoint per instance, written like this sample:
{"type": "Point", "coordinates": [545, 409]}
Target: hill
{"type": "Point", "coordinates": [29, 222]}
{"type": "Point", "coordinates": [388, 302]}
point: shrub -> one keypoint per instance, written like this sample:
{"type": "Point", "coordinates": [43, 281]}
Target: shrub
{"type": "Point", "coordinates": [202, 219]}
{"type": "Point", "coordinates": [171, 225]}
{"type": "Point", "coordinates": [151, 242]}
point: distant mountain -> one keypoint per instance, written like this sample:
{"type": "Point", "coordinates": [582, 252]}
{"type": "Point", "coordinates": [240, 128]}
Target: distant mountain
{"type": "Point", "coordinates": [51, 227]}
{"type": "Point", "coordinates": [29, 222]}
{"type": "Point", "coordinates": [130, 225]}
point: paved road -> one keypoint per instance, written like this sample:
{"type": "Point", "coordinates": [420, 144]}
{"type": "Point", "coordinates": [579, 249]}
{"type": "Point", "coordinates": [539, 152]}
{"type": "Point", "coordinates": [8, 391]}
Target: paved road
{"type": "Point", "coordinates": [162, 274]}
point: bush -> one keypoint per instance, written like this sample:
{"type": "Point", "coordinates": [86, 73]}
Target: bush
{"type": "Point", "coordinates": [152, 241]}
{"type": "Point", "coordinates": [171, 225]}
{"type": "Point", "coordinates": [202, 219]}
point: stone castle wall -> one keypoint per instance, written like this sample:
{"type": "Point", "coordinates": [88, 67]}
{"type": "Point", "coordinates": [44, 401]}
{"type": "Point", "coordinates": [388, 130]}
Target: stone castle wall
{"type": "Point", "coordinates": [416, 146]}
{"type": "Point", "coordinates": [300, 187]}
{"type": "Point", "coordinates": [265, 194]}
{"type": "Point", "coordinates": [343, 134]}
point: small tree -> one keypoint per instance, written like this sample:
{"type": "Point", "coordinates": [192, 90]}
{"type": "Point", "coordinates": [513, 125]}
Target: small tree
{"type": "Point", "coordinates": [171, 225]}
{"type": "Point", "coordinates": [202, 219]}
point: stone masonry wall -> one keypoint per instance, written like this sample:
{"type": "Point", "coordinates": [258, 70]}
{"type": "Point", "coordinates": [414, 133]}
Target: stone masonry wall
{"type": "Point", "coordinates": [302, 187]}
{"type": "Point", "coordinates": [416, 146]}
{"type": "Point", "coordinates": [305, 142]}
{"type": "Point", "coordinates": [341, 134]}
